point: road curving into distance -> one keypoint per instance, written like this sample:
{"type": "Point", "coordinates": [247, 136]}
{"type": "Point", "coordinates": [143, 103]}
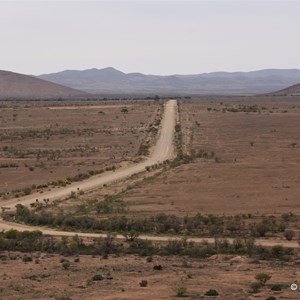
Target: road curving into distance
{"type": "Point", "coordinates": [163, 150]}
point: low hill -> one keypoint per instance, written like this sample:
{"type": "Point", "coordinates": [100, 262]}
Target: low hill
{"type": "Point", "coordinates": [110, 81]}
{"type": "Point", "coordinates": [291, 90]}
{"type": "Point", "coordinates": [19, 86]}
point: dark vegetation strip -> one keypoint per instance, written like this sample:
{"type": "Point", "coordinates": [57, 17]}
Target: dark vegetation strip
{"type": "Point", "coordinates": [30, 241]}
{"type": "Point", "coordinates": [198, 225]}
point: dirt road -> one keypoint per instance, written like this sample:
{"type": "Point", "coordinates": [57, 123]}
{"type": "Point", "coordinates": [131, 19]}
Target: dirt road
{"type": "Point", "coordinates": [163, 150]}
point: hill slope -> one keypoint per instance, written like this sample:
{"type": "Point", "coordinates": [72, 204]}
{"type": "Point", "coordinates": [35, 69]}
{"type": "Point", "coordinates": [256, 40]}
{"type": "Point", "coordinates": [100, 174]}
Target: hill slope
{"type": "Point", "coordinates": [111, 81]}
{"type": "Point", "coordinates": [19, 86]}
{"type": "Point", "coordinates": [291, 90]}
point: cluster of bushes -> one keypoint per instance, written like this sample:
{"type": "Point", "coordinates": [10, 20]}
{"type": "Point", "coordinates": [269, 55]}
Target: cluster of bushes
{"type": "Point", "coordinates": [240, 108]}
{"type": "Point", "coordinates": [108, 207]}
{"type": "Point", "coordinates": [27, 241]}
{"type": "Point", "coordinates": [243, 108]}
{"type": "Point", "coordinates": [27, 190]}
{"type": "Point", "coordinates": [8, 165]}
{"type": "Point", "coordinates": [46, 133]}
{"type": "Point", "coordinates": [144, 149]}
{"type": "Point", "coordinates": [187, 158]}
{"type": "Point", "coordinates": [199, 225]}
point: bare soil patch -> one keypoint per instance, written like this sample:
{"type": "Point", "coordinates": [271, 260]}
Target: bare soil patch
{"type": "Point", "coordinates": [230, 276]}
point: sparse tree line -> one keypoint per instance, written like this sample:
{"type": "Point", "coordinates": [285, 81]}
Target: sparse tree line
{"type": "Point", "coordinates": [30, 241]}
{"type": "Point", "coordinates": [198, 225]}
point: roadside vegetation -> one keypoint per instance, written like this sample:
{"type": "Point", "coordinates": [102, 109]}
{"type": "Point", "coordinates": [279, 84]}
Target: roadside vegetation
{"type": "Point", "coordinates": [151, 134]}
{"type": "Point", "coordinates": [13, 240]}
{"type": "Point", "coordinates": [111, 217]}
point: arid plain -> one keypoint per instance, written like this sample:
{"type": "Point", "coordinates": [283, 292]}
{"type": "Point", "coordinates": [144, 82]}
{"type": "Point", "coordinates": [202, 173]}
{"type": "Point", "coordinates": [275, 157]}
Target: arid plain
{"type": "Point", "coordinates": [49, 141]}
{"type": "Point", "coordinates": [256, 161]}
{"type": "Point", "coordinates": [237, 168]}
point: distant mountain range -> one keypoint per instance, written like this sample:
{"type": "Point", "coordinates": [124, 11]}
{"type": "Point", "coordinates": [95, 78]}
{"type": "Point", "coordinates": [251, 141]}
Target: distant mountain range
{"type": "Point", "coordinates": [19, 86]}
{"type": "Point", "coordinates": [110, 81]}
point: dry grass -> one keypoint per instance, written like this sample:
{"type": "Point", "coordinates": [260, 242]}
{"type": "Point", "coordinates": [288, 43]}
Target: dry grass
{"type": "Point", "coordinates": [230, 276]}
{"type": "Point", "coordinates": [256, 165]}
{"type": "Point", "coordinates": [46, 141]}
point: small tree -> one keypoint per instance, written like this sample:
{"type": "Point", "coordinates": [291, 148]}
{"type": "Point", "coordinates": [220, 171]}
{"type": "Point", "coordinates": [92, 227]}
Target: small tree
{"type": "Point", "coordinates": [262, 278]}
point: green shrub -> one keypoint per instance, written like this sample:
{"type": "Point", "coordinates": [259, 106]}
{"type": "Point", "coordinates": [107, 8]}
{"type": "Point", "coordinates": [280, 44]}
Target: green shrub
{"type": "Point", "coordinates": [143, 283]}
{"type": "Point", "coordinates": [277, 251]}
{"type": "Point", "coordinates": [97, 277]}
{"type": "Point", "coordinates": [211, 292]}
{"type": "Point", "coordinates": [143, 150]}
{"type": "Point", "coordinates": [66, 265]}
{"type": "Point", "coordinates": [276, 287]}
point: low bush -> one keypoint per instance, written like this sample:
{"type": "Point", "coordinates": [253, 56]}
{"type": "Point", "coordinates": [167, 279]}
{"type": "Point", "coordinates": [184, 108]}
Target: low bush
{"type": "Point", "coordinates": [263, 278]}
{"type": "Point", "coordinates": [276, 287]}
{"type": "Point", "coordinates": [97, 277]}
{"type": "Point", "coordinates": [181, 292]}
{"type": "Point", "coordinates": [27, 258]}
{"type": "Point", "coordinates": [143, 283]}
{"type": "Point", "coordinates": [255, 287]}
{"type": "Point", "coordinates": [289, 234]}
{"type": "Point", "coordinates": [211, 292]}
{"type": "Point", "coordinates": [66, 265]}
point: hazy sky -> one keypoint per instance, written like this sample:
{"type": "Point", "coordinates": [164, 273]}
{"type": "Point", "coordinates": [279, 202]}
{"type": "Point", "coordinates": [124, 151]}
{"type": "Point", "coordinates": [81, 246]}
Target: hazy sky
{"type": "Point", "coordinates": [153, 37]}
